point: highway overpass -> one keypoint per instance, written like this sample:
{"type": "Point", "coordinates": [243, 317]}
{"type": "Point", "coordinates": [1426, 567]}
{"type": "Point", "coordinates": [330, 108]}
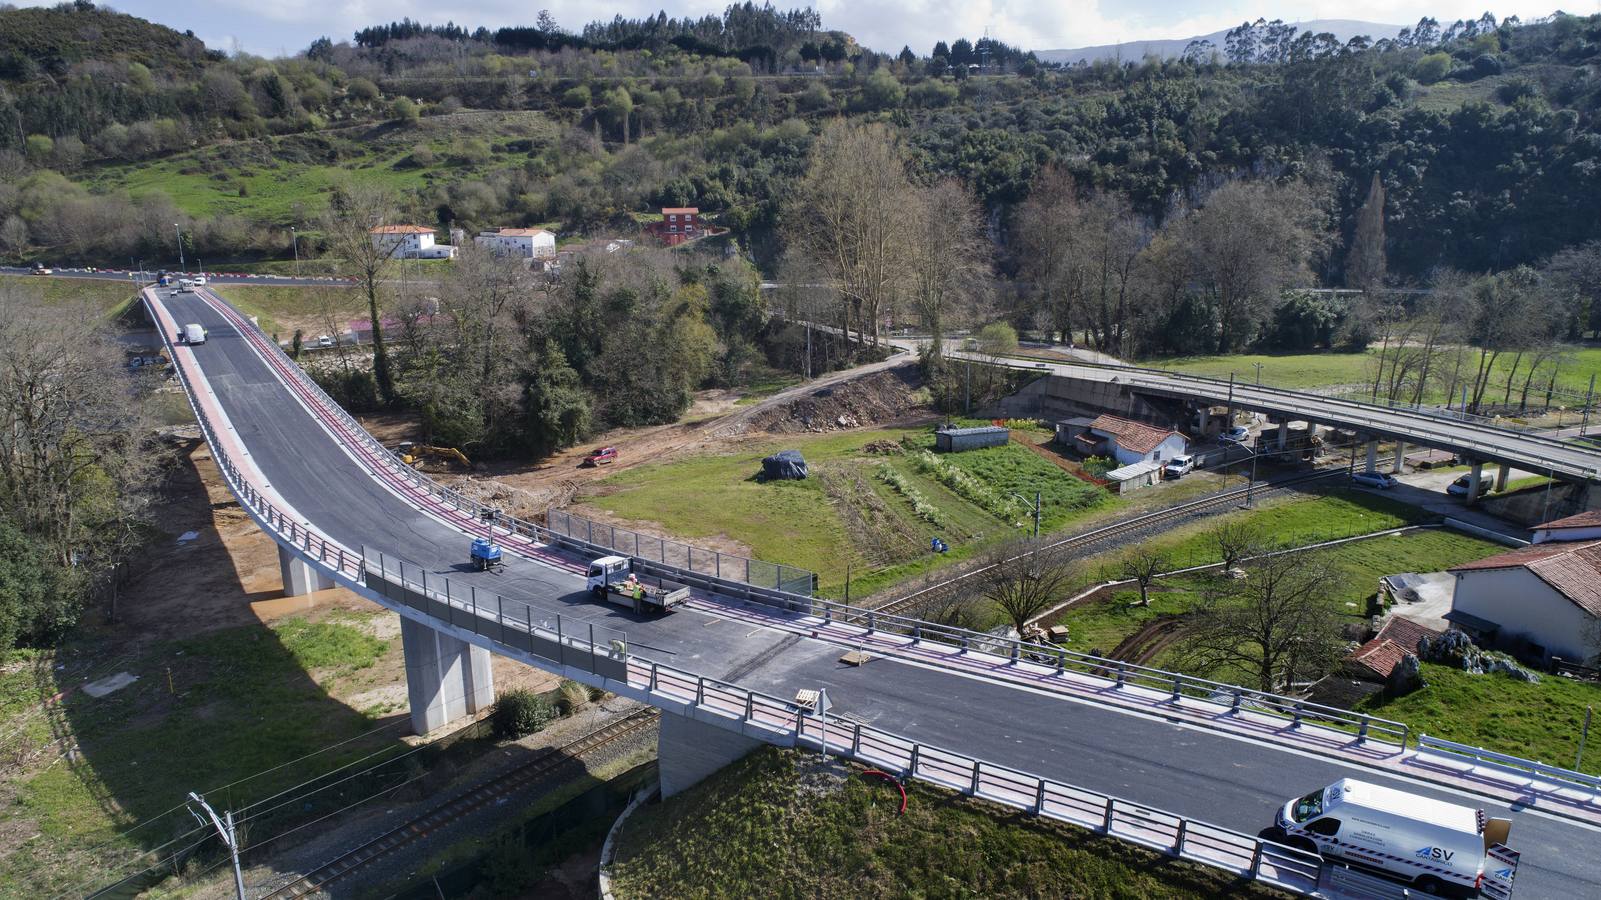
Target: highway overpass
{"type": "Point", "coordinates": [334, 499]}
{"type": "Point", "coordinates": [1472, 438]}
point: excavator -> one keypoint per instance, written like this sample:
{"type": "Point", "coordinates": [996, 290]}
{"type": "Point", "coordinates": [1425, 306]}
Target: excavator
{"type": "Point", "coordinates": [414, 455]}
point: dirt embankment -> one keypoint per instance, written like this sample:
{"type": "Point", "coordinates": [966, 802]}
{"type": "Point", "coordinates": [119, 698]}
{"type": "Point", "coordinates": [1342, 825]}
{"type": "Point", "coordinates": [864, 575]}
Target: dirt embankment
{"type": "Point", "coordinates": [880, 398]}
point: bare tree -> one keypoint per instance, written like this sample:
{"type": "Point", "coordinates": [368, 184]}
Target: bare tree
{"type": "Point", "coordinates": [1234, 540]}
{"type": "Point", "coordinates": [353, 211]}
{"type": "Point", "coordinates": [1043, 236]}
{"type": "Point", "coordinates": [1277, 625]}
{"type": "Point", "coordinates": [484, 299]}
{"type": "Point", "coordinates": [1142, 565]}
{"type": "Point", "coordinates": [949, 256]}
{"type": "Point", "coordinates": [850, 214]}
{"type": "Point", "coordinates": [1027, 586]}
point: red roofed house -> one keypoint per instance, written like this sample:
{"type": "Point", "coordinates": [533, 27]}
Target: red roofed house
{"type": "Point", "coordinates": [678, 224]}
{"type": "Point", "coordinates": [1543, 600]}
{"type": "Point", "coordinates": [410, 242]}
{"type": "Point", "coordinates": [1585, 526]}
{"type": "Point", "coordinates": [1124, 440]}
{"type": "Point", "coordinates": [1377, 658]}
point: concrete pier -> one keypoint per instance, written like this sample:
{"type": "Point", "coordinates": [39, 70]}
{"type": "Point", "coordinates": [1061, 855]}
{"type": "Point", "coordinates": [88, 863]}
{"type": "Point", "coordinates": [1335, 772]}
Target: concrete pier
{"type": "Point", "coordinates": [1501, 473]}
{"type": "Point", "coordinates": [687, 751]}
{"type": "Point", "coordinates": [446, 677]}
{"type": "Point", "coordinates": [1373, 457]}
{"type": "Point", "coordinates": [1475, 481]}
{"type": "Point", "coordinates": [299, 576]}
{"type": "Point", "coordinates": [1400, 457]}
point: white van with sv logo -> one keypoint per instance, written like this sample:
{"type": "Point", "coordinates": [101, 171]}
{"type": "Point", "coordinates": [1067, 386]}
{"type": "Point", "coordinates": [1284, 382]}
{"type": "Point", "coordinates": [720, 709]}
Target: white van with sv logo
{"type": "Point", "coordinates": [1438, 847]}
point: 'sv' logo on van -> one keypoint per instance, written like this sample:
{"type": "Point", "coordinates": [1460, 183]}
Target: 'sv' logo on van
{"type": "Point", "coordinates": [1435, 853]}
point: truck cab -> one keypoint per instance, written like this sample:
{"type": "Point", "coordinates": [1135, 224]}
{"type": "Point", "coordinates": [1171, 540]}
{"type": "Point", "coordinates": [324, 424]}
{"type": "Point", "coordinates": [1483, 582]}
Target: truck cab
{"type": "Point", "coordinates": [1436, 846]}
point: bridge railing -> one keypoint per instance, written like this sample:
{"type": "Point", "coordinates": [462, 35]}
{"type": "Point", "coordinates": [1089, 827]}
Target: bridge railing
{"type": "Point", "coordinates": [687, 557]}
{"type": "Point", "coordinates": [1511, 765]}
{"type": "Point", "coordinates": [1242, 855]}
{"type": "Point", "coordinates": [565, 640]}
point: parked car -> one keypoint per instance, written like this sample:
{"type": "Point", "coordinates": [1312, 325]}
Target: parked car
{"type": "Point", "coordinates": [42, 269]}
{"type": "Point", "coordinates": [1381, 480]}
{"type": "Point", "coordinates": [1459, 487]}
{"type": "Point", "coordinates": [1178, 467]}
{"type": "Point", "coordinates": [1239, 434]}
{"type": "Point", "coordinates": [601, 456]}
{"type": "Point", "coordinates": [325, 340]}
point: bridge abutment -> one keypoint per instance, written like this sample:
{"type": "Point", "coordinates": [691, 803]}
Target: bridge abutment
{"type": "Point", "coordinates": [299, 576]}
{"type": "Point", "coordinates": [446, 677]}
{"type": "Point", "coordinates": [687, 751]}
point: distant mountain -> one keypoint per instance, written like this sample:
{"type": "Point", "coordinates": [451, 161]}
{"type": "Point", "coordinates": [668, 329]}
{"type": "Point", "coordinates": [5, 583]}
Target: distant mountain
{"type": "Point", "coordinates": [1133, 51]}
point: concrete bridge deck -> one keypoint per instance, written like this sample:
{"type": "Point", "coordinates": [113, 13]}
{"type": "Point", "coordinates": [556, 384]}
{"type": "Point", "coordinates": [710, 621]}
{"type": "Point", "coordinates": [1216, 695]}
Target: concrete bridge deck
{"type": "Point", "coordinates": [1230, 780]}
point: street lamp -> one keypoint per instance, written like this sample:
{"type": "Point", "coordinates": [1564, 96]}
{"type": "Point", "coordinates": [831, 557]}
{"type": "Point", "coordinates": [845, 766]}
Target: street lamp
{"type": "Point", "coordinates": [179, 230]}
{"type": "Point", "coordinates": [1036, 510]}
{"type": "Point", "coordinates": [294, 242]}
{"type": "Point", "coordinates": [1258, 373]}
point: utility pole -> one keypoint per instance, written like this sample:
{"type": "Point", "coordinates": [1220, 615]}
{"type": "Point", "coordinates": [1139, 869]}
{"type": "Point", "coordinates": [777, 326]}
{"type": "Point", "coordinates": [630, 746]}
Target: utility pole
{"type": "Point", "coordinates": [1036, 515]}
{"type": "Point", "coordinates": [1588, 394]}
{"type": "Point", "coordinates": [179, 230]}
{"type": "Point", "coordinates": [1258, 374]}
{"type": "Point", "coordinates": [1583, 735]}
{"type": "Point", "coordinates": [225, 831]}
{"type": "Point", "coordinates": [294, 242]}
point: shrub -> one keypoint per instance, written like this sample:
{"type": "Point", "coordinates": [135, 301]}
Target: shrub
{"type": "Point", "coordinates": [521, 712]}
{"type": "Point", "coordinates": [925, 510]}
{"type": "Point", "coordinates": [1098, 466]}
{"type": "Point", "coordinates": [966, 486]}
{"type": "Point", "coordinates": [1432, 68]}
{"type": "Point", "coordinates": [572, 698]}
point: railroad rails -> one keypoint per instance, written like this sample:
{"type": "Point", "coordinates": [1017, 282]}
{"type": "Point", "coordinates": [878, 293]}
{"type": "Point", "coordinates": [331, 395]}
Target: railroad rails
{"type": "Point", "coordinates": [548, 763]}
{"type": "Point", "coordinates": [934, 594]}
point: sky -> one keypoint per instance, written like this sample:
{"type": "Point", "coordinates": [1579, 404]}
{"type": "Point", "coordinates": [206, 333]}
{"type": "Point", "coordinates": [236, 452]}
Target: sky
{"type": "Point", "coordinates": [284, 27]}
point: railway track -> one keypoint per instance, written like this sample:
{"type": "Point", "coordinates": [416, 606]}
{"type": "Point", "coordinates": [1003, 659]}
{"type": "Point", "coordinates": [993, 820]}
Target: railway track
{"type": "Point", "coordinates": [541, 767]}
{"type": "Point", "coordinates": [1079, 542]}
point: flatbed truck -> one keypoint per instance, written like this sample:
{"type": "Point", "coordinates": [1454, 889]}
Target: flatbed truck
{"type": "Point", "coordinates": [613, 578]}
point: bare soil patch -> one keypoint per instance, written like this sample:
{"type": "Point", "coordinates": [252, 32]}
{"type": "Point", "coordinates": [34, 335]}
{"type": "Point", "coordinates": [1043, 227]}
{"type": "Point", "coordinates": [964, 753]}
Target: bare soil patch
{"type": "Point", "coordinates": [879, 398]}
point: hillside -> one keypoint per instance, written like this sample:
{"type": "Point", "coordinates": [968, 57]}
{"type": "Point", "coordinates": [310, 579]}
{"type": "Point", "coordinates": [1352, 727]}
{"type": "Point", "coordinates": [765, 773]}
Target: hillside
{"type": "Point", "coordinates": [779, 824]}
{"type": "Point", "coordinates": [50, 41]}
{"type": "Point", "coordinates": [1172, 48]}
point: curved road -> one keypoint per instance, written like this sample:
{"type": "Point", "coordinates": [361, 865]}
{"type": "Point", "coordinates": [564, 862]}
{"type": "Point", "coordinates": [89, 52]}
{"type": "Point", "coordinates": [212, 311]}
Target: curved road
{"type": "Point", "coordinates": [1229, 781]}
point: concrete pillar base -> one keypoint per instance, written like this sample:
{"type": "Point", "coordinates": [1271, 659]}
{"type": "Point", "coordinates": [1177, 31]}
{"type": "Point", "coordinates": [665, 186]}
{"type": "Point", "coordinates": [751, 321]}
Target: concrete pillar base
{"type": "Point", "coordinates": [1373, 457]}
{"type": "Point", "coordinates": [299, 576]}
{"type": "Point", "coordinates": [1501, 473]}
{"type": "Point", "coordinates": [446, 677]}
{"type": "Point", "coordinates": [1400, 457]}
{"type": "Point", "coordinates": [1475, 482]}
{"type": "Point", "coordinates": [1284, 433]}
{"type": "Point", "coordinates": [688, 751]}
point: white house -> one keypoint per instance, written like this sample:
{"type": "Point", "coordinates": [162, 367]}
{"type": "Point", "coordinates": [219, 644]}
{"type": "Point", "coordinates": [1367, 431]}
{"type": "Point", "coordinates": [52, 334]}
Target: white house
{"type": "Point", "coordinates": [1544, 599]}
{"type": "Point", "coordinates": [523, 243]}
{"type": "Point", "coordinates": [410, 242]}
{"type": "Point", "coordinates": [1585, 526]}
{"type": "Point", "coordinates": [1124, 440]}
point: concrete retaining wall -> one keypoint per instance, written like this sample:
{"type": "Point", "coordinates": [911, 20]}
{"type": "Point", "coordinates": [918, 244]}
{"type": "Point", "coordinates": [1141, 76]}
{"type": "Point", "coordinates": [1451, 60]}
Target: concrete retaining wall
{"type": "Point", "coordinates": [688, 751]}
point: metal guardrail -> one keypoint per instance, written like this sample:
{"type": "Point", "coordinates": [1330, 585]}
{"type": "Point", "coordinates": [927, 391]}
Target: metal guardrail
{"type": "Point", "coordinates": [1511, 765]}
{"type": "Point", "coordinates": [511, 623]}
{"type": "Point", "coordinates": [1242, 855]}
{"type": "Point", "coordinates": [687, 557]}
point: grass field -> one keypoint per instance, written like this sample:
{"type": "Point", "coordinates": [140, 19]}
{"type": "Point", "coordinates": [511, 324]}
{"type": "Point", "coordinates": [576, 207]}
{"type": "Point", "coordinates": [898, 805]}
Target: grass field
{"type": "Point", "coordinates": [1535, 721]}
{"type": "Point", "coordinates": [286, 179]}
{"type": "Point", "coordinates": [203, 713]}
{"type": "Point", "coordinates": [846, 513]}
{"type": "Point", "coordinates": [772, 825]}
{"type": "Point", "coordinates": [276, 306]}
{"type": "Point", "coordinates": [111, 297]}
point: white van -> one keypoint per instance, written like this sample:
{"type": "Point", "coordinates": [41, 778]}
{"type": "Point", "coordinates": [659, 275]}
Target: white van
{"type": "Point", "coordinates": [1439, 847]}
{"type": "Point", "coordinates": [194, 334]}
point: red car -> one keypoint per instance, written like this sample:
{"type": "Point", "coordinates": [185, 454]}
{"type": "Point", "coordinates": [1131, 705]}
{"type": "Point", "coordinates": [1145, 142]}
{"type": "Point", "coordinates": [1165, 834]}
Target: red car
{"type": "Point", "coordinates": [601, 457]}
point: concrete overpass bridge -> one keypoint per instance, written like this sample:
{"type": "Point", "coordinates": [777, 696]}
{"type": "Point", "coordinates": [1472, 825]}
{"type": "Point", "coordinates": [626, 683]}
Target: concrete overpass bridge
{"type": "Point", "coordinates": [1189, 768]}
{"type": "Point", "coordinates": [1474, 439]}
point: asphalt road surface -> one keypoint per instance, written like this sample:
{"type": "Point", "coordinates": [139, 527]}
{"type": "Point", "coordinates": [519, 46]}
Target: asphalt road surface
{"type": "Point", "coordinates": [1213, 777]}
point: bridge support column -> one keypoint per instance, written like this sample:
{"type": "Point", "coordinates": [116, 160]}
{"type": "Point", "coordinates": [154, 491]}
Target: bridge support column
{"type": "Point", "coordinates": [1373, 457]}
{"type": "Point", "coordinates": [1475, 481]}
{"type": "Point", "coordinates": [1203, 418]}
{"type": "Point", "coordinates": [1284, 433]}
{"type": "Point", "coordinates": [1501, 473]}
{"type": "Point", "coordinates": [1400, 457]}
{"type": "Point", "coordinates": [687, 751]}
{"type": "Point", "coordinates": [299, 576]}
{"type": "Point", "coordinates": [446, 677]}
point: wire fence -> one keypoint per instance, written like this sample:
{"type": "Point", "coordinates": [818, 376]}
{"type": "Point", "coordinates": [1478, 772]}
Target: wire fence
{"type": "Point", "coordinates": [725, 566]}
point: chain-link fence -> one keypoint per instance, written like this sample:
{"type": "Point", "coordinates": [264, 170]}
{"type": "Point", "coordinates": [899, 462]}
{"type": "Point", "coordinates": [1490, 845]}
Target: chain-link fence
{"type": "Point", "coordinates": [726, 566]}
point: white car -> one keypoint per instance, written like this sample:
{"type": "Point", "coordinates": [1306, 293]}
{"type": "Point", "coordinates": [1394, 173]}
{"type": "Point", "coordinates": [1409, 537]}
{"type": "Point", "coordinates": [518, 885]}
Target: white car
{"type": "Point", "coordinates": [1178, 467]}
{"type": "Point", "coordinates": [199, 281]}
{"type": "Point", "coordinates": [1239, 434]}
{"type": "Point", "coordinates": [325, 341]}
{"type": "Point", "coordinates": [1381, 480]}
